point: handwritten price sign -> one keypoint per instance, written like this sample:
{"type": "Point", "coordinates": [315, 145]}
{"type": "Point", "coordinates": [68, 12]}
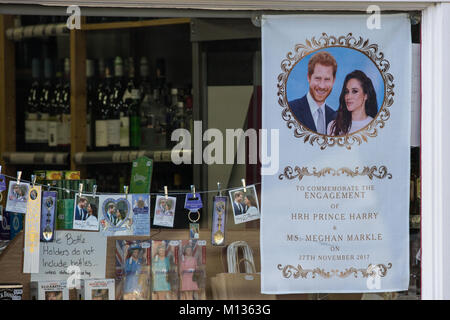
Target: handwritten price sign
{"type": "Point", "coordinates": [73, 253]}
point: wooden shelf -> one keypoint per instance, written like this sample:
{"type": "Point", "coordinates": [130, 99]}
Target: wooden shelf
{"type": "Point", "coordinates": [45, 158]}
{"type": "Point", "coordinates": [109, 157]}
{"type": "Point", "coordinates": [134, 24]}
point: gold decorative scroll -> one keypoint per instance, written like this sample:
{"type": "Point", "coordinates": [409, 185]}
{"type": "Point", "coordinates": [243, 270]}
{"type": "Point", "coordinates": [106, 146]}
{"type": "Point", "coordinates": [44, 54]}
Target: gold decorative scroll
{"type": "Point", "coordinates": [370, 172]}
{"type": "Point", "coordinates": [289, 271]}
{"type": "Point", "coordinates": [326, 41]}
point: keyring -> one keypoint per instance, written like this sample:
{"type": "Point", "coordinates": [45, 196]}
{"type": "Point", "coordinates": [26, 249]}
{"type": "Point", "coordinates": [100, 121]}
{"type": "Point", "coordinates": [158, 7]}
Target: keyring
{"type": "Point", "coordinates": [189, 216]}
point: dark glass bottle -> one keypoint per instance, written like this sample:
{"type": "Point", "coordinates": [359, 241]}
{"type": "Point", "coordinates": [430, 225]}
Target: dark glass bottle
{"type": "Point", "coordinates": [132, 99]}
{"type": "Point", "coordinates": [125, 107]}
{"type": "Point", "coordinates": [31, 113]}
{"type": "Point", "coordinates": [104, 93]}
{"type": "Point", "coordinates": [146, 116]}
{"type": "Point", "coordinates": [90, 103]}
{"type": "Point", "coordinates": [54, 112]}
{"type": "Point", "coordinates": [115, 106]}
{"type": "Point", "coordinates": [135, 120]}
{"type": "Point", "coordinates": [189, 104]}
{"type": "Point", "coordinates": [65, 107]}
{"type": "Point", "coordinates": [171, 119]}
{"type": "Point", "coordinates": [44, 106]}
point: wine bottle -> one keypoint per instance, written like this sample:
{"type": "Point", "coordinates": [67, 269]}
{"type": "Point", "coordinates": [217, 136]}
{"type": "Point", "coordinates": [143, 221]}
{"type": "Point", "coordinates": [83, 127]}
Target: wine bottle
{"type": "Point", "coordinates": [31, 116]}
{"type": "Point", "coordinates": [115, 106]}
{"type": "Point", "coordinates": [133, 102]}
{"type": "Point", "coordinates": [54, 112]}
{"type": "Point", "coordinates": [104, 93]}
{"type": "Point", "coordinates": [159, 109]}
{"type": "Point", "coordinates": [145, 82]}
{"type": "Point", "coordinates": [146, 117]}
{"type": "Point", "coordinates": [189, 112]}
{"type": "Point", "coordinates": [180, 115]}
{"type": "Point", "coordinates": [43, 112]}
{"type": "Point", "coordinates": [135, 121]}
{"type": "Point", "coordinates": [125, 108]}
{"type": "Point", "coordinates": [171, 120]}
{"type": "Point", "coordinates": [91, 94]}
{"type": "Point", "coordinates": [65, 105]}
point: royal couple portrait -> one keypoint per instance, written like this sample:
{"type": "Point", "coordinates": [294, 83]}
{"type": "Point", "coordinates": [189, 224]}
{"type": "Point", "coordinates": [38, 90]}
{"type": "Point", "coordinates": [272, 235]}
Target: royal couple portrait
{"type": "Point", "coordinates": [19, 193]}
{"type": "Point", "coordinates": [357, 99]}
{"type": "Point", "coordinates": [86, 212]}
{"type": "Point", "coordinates": [165, 206]}
{"type": "Point", "coordinates": [113, 214]}
{"type": "Point", "coordinates": [244, 204]}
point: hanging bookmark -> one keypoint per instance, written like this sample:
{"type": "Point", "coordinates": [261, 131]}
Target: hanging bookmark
{"type": "Point", "coordinates": [219, 218]}
{"type": "Point", "coordinates": [32, 230]}
{"type": "Point", "coordinates": [48, 215]}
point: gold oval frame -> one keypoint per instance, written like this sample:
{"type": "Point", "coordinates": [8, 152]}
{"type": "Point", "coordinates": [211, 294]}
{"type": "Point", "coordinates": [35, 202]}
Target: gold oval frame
{"type": "Point", "coordinates": [350, 42]}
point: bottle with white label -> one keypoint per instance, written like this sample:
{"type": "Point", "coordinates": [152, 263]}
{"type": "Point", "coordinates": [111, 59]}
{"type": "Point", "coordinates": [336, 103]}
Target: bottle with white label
{"type": "Point", "coordinates": [31, 115]}
{"type": "Point", "coordinates": [103, 103]}
{"type": "Point", "coordinates": [180, 116]}
{"type": "Point", "coordinates": [44, 104]}
{"type": "Point", "coordinates": [125, 110]}
{"type": "Point", "coordinates": [115, 106]}
{"type": "Point", "coordinates": [55, 112]}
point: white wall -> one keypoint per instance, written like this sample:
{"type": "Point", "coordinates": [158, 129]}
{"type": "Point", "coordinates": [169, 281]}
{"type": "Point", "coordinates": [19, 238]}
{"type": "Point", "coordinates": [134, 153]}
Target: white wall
{"type": "Point", "coordinates": [435, 152]}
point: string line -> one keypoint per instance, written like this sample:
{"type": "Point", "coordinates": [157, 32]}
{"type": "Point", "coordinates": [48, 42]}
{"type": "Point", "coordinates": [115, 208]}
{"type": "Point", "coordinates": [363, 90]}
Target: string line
{"type": "Point", "coordinates": [113, 193]}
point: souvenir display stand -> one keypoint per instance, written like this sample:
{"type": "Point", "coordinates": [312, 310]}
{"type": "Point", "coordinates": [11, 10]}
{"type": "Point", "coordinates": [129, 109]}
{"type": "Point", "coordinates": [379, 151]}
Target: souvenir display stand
{"type": "Point", "coordinates": [11, 259]}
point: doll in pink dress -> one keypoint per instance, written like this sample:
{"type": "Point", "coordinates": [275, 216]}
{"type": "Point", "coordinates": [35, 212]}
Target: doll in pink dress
{"type": "Point", "coordinates": [187, 268]}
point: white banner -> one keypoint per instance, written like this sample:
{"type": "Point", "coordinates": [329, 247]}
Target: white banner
{"type": "Point", "coordinates": [335, 216]}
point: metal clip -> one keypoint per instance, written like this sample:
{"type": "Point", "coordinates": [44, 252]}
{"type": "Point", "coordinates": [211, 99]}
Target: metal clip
{"type": "Point", "coordinates": [94, 190]}
{"type": "Point", "coordinates": [166, 192]}
{"type": "Point", "coordinates": [243, 184]}
{"type": "Point", "coordinates": [125, 189]}
{"type": "Point", "coordinates": [33, 180]}
{"type": "Point", "coordinates": [218, 188]}
{"type": "Point", "coordinates": [80, 189]}
{"type": "Point", "coordinates": [194, 197]}
{"type": "Point", "coordinates": [19, 175]}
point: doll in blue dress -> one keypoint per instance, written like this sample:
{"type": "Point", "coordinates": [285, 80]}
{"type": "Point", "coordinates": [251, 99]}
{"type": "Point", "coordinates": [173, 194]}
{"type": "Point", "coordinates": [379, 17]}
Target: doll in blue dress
{"type": "Point", "coordinates": [160, 272]}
